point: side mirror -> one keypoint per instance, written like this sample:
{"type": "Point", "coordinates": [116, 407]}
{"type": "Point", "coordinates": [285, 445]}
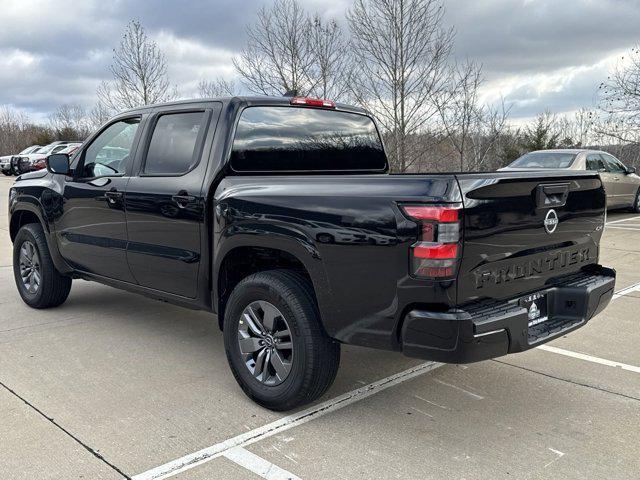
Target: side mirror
{"type": "Point", "coordinates": [631, 170]}
{"type": "Point", "coordinates": [58, 163]}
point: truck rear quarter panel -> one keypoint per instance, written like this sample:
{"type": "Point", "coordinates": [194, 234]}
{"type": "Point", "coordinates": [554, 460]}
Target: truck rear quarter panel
{"type": "Point", "coordinates": [350, 235]}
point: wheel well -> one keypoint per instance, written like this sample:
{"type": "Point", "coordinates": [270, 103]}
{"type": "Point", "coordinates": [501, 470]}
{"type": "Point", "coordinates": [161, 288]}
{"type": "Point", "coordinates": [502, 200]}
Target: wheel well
{"type": "Point", "coordinates": [241, 262]}
{"type": "Point", "coordinates": [20, 218]}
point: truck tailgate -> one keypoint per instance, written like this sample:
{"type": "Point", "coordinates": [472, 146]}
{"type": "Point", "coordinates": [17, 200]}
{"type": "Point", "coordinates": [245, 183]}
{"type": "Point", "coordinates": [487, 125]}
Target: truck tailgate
{"type": "Point", "coordinates": [522, 230]}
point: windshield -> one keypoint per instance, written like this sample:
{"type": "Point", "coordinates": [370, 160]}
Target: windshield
{"type": "Point", "coordinates": [27, 150]}
{"type": "Point", "coordinates": [46, 149]}
{"type": "Point", "coordinates": [545, 160]}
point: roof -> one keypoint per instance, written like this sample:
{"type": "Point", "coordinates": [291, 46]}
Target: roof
{"type": "Point", "coordinates": [569, 150]}
{"type": "Point", "coordinates": [247, 100]}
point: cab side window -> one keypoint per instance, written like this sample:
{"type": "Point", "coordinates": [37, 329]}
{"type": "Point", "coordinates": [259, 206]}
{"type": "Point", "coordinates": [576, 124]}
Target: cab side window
{"type": "Point", "coordinates": [110, 152]}
{"type": "Point", "coordinates": [173, 149]}
{"type": "Point", "coordinates": [595, 162]}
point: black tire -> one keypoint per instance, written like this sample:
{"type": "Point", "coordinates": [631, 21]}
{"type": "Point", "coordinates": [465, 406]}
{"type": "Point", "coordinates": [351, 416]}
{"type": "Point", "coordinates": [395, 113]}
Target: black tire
{"type": "Point", "coordinates": [636, 204]}
{"type": "Point", "coordinates": [7, 172]}
{"type": "Point", "coordinates": [314, 356]}
{"type": "Point", "coordinates": [54, 287]}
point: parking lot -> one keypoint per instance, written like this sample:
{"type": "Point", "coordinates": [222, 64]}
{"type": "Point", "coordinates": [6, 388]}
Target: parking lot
{"type": "Point", "coordinates": [114, 385]}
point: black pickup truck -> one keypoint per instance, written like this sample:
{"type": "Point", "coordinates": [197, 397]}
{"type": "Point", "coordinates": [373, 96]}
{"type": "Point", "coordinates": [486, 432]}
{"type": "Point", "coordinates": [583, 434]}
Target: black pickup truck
{"type": "Point", "coordinates": [280, 216]}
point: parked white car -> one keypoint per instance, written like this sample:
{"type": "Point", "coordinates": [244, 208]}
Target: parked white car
{"type": "Point", "coordinates": [5, 161]}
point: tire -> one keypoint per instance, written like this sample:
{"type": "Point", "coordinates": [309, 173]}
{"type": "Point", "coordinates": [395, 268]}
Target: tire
{"type": "Point", "coordinates": [636, 204]}
{"type": "Point", "coordinates": [313, 358]}
{"type": "Point", "coordinates": [53, 288]}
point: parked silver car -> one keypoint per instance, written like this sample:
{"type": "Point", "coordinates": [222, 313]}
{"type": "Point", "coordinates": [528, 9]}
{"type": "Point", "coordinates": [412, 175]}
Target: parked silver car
{"type": "Point", "coordinates": [621, 183]}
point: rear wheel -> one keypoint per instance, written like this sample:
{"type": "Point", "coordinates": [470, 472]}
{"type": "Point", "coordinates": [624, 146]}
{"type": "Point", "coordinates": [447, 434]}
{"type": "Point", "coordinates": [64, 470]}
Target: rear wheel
{"type": "Point", "coordinates": [275, 344]}
{"type": "Point", "coordinates": [636, 203]}
{"type": "Point", "coordinates": [39, 283]}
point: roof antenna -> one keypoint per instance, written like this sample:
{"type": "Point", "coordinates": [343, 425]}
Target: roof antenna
{"type": "Point", "coordinates": [291, 93]}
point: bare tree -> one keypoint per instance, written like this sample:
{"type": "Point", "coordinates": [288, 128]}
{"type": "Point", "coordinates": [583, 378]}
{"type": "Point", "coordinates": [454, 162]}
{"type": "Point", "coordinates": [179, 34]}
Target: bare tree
{"type": "Point", "coordinates": [332, 69]}
{"type": "Point", "coordinates": [217, 88]}
{"type": "Point", "coordinates": [13, 127]}
{"type": "Point", "coordinates": [620, 100]}
{"type": "Point", "coordinates": [98, 115]}
{"type": "Point", "coordinates": [401, 52]}
{"type": "Point", "coordinates": [471, 128]}
{"type": "Point", "coordinates": [576, 131]}
{"type": "Point", "coordinates": [70, 122]}
{"type": "Point", "coordinates": [278, 58]}
{"type": "Point", "coordinates": [139, 72]}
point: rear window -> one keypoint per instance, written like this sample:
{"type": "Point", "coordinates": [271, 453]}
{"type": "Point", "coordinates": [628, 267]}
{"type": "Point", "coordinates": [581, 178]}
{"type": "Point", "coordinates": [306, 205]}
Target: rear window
{"type": "Point", "coordinates": [545, 160]}
{"type": "Point", "coordinates": [292, 139]}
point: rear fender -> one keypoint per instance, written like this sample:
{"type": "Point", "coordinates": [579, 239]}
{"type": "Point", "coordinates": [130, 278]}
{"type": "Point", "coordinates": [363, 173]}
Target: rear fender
{"type": "Point", "coordinates": [299, 247]}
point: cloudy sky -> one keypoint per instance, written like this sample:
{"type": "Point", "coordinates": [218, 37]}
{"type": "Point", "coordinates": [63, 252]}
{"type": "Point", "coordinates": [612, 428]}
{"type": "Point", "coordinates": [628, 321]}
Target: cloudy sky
{"type": "Point", "coordinates": [537, 54]}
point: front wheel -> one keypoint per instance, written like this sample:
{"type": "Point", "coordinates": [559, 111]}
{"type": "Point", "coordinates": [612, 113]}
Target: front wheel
{"type": "Point", "coordinates": [636, 203]}
{"type": "Point", "coordinates": [275, 344]}
{"type": "Point", "coordinates": [39, 283]}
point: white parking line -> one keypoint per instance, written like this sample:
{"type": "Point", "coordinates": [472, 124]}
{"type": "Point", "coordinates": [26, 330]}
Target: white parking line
{"type": "Point", "coordinates": [258, 465]}
{"type": "Point", "coordinates": [623, 220]}
{"type": "Point", "coordinates": [626, 291]}
{"type": "Point", "coordinates": [192, 460]}
{"type": "Point", "coordinates": [233, 450]}
{"type": "Point", "coordinates": [615, 227]}
{"type": "Point", "coordinates": [589, 358]}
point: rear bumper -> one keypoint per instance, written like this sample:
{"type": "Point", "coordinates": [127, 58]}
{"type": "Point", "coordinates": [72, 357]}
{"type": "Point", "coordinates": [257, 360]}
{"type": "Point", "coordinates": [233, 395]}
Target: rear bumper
{"type": "Point", "coordinates": [492, 329]}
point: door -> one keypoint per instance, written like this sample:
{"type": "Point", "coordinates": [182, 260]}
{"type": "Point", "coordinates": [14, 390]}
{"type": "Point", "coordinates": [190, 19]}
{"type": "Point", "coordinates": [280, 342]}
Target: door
{"type": "Point", "coordinates": [596, 162]}
{"type": "Point", "coordinates": [91, 232]}
{"type": "Point", "coordinates": [626, 183]}
{"type": "Point", "coordinates": [165, 203]}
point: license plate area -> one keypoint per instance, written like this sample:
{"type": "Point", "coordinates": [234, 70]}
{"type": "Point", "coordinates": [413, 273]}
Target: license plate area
{"type": "Point", "coordinates": [537, 308]}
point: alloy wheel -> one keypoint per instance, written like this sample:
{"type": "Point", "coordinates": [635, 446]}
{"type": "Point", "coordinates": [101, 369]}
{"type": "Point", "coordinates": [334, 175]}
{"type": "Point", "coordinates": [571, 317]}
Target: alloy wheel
{"type": "Point", "coordinates": [30, 271]}
{"type": "Point", "coordinates": [265, 343]}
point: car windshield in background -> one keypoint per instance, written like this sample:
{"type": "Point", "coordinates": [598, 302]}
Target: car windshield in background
{"type": "Point", "coordinates": [545, 160]}
{"type": "Point", "coordinates": [295, 139]}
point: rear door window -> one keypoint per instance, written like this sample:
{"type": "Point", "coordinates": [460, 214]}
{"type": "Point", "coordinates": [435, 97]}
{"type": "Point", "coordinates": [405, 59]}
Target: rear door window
{"type": "Point", "coordinates": [299, 139]}
{"type": "Point", "coordinates": [595, 162]}
{"type": "Point", "coordinates": [173, 149]}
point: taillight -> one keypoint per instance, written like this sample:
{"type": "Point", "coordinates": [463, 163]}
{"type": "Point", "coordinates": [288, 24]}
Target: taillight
{"type": "Point", "coordinates": [313, 102]}
{"type": "Point", "coordinates": [437, 251]}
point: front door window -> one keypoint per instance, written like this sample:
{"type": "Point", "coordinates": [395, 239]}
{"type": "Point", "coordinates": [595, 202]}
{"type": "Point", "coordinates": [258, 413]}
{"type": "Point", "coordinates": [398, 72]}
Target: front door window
{"type": "Point", "coordinates": [109, 153]}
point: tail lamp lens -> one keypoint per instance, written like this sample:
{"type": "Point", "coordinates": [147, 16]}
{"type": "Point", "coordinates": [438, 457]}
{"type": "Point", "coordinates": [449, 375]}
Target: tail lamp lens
{"type": "Point", "coordinates": [436, 253]}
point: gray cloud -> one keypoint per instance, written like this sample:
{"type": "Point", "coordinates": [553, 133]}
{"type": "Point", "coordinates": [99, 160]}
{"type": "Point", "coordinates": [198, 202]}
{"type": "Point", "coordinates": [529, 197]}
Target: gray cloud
{"type": "Point", "coordinates": [538, 35]}
{"type": "Point", "coordinates": [537, 53]}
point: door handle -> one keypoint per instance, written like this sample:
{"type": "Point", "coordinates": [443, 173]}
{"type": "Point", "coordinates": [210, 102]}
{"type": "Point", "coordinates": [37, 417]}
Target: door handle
{"type": "Point", "coordinates": [113, 195]}
{"type": "Point", "coordinates": [183, 199]}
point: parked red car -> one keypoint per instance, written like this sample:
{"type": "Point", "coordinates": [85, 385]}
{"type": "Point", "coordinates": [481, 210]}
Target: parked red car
{"type": "Point", "coordinates": [41, 163]}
